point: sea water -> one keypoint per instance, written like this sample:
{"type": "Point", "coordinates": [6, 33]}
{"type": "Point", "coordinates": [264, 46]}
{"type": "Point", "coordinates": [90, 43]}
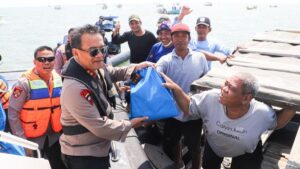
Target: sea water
{"type": "Point", "coordinates": [22, 29]}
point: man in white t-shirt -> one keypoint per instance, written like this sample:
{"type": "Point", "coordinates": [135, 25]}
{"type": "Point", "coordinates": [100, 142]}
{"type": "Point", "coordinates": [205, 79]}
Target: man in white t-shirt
{"type": "Point", "coordinates": [233, 119]}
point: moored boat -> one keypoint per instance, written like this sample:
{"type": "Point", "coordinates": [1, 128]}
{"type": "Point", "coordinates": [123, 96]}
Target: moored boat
{"type": "Point", "coordinates": [251, 7]}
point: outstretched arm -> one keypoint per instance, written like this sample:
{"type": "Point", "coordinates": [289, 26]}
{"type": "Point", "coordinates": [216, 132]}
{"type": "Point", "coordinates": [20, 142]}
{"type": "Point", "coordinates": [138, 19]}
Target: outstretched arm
{"type": "Point", "coordinates": [284, 116]}
{"type": "Point", "coordinates": [185, 10]}
{"type": "Point", "coordinates": [117, 29]}
{"type": "Point", "coordinates": [181, 98]}
{"type": "Point", "coordinates": [214, 57]}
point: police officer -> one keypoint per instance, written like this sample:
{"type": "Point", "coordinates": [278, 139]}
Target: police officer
{"type": "Point", "coordinates": [34, 106]}
{"type": "Point", "coordinates": [87, 101]}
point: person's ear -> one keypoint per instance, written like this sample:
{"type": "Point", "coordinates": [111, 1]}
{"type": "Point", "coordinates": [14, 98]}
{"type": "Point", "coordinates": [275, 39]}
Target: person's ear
{"type": "Point", "coordinates": [74, 51]}
{"type": "Point", "coordinates": [247, 98]}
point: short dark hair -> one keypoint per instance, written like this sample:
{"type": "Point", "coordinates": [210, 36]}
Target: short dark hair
{"type": "Point", "coordinates": [78, 32]}
{"type": "Point", "coordinates": [42, 48]}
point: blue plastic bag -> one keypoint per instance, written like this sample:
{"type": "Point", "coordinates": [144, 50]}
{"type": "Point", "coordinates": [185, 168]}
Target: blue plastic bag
{"type": "Point", "coordinates": [150, 98]}
{"type": "Point", "coordinates": [11, 149]}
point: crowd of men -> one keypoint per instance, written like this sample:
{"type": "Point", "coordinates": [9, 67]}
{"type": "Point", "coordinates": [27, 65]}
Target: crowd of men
{"type": "Point", "coordinates": [72, 120]}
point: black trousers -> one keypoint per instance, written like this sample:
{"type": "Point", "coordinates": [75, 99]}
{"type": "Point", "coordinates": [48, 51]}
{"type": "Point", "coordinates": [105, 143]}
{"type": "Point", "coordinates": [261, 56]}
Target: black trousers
{"type": "Point", "coordinates": [86, 162]}
{"type": "Point", "coordinates": [245, 161]}
{"type": "Point", "coordinates": [53, 154]}
{"type": "Point", "coordinates": [174, 130]}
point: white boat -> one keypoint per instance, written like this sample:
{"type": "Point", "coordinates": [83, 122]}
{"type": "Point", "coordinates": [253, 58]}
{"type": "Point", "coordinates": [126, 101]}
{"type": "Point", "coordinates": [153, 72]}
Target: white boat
{"type": "Point", "coordinates": [104, 6]}
{"type": "Point", "coordinates": [273, 6]}
{"type": "Point", "coordinates": [21, 162]}
{"type": "Point", "coordinates": [119, 5]}
{"type": "Point", "coordinates": [251, 7]}
{"type": "Point", "coordinates": [207, 3]}
{"type": "Point", "coordinates": [57, 7]}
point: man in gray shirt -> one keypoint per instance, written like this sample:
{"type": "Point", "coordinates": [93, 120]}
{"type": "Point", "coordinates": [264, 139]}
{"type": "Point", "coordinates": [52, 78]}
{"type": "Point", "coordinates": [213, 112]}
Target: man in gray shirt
{"type": "Point", "coordinates": [233, 119]}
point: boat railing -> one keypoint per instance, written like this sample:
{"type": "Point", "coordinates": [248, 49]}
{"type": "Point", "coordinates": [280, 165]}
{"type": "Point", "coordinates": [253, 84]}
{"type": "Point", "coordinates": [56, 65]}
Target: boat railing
{"type": "Point", "coordinates": [9, 138]}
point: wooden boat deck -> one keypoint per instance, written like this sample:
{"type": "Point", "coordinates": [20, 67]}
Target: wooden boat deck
{"type": "Point", "coordinates": [273, 58]}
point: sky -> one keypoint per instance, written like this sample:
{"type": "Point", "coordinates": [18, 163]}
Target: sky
{"type": "Point", "coordinates": [11, 3]}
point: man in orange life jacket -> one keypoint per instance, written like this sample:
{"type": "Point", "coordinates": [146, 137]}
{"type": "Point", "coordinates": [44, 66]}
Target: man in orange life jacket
{"type": "Point", "coordinates": [34, 107]}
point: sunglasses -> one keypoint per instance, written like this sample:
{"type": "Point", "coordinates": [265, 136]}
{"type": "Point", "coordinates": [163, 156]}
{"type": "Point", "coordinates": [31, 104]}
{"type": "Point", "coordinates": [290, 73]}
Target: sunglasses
{"type": "Point", "coordinates": [45, 59]}
{"type": "Point", "coordinates": [93, 51]}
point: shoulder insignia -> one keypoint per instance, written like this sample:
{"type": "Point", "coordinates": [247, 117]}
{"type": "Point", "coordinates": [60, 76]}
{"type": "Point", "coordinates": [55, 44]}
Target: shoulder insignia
{"type": "Point", "coordinates": [86, 93]}
{"type": "Point", "coordinates": [17, 91]}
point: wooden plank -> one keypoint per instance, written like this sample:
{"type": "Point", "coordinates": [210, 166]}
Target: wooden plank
{"type": "Point", "coordinates": [288, 30]}
{"type": "Point", "coordinates": [294, 160]}
{"type": "Point", "coordinates": [267, 79]}
{"type": "Point", "coordinates": [290, 37]}
{"type": "Point", "coordinates": [270, 65]}
{"type": "Point", "coordinates": [279, 95]}
{"type": "Point", "coordinates": [285, 61]}
{"type": "Point", "coordinates": [272, 52]}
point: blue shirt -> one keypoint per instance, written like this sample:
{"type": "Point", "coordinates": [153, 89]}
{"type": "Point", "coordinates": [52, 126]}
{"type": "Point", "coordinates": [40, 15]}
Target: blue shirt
{"type": "Point", "coordinates": [211, 46]}
{"type": "Point", "coordinates": [157, 51]}
{"type": "Point", "coordinates": [2, 118]}
{"type": "Point", "coordinates": [183, 71]}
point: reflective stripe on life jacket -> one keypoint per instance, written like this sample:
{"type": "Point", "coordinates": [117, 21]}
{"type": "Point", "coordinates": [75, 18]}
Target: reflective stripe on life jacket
{"type": "Point", "coordinates": [43, 106]}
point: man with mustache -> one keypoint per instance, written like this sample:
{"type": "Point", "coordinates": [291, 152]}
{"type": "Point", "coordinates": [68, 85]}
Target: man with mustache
{"type": "Point", "coordinates": [87, 101]}
{"type": "Point", "coordinates": [34, 107]}
{"type": "Point", "coordinates": [183, 66]}
{"type": "Point", "coordinates": [139, 40]}
{"type": "Point", "coordinates": [234, 120]}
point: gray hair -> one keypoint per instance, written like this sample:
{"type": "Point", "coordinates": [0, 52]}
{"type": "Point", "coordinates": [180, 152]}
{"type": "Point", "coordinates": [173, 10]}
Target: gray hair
{"type": "Point", "coordinates": [249, 83]}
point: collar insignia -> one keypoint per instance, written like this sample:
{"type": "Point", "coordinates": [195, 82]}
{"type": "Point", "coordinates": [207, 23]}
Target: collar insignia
{"type": "Point", "coordinates": [86, 93]}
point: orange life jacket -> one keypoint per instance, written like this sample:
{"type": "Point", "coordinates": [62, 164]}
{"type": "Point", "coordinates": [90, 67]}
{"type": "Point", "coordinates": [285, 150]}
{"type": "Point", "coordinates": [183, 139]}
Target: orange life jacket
{"type": "Point", "coordinates": [42, 107]}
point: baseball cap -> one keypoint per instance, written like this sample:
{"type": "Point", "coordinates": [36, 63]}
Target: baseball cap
{"type": "Point", "coordinates": [180, 27]}
{"type": "Point", "coordinates": [163, 26]}
{"type": "Point", "coordinates": [203, 21]}
{"type": "Point", "coordinates": [134, 18]}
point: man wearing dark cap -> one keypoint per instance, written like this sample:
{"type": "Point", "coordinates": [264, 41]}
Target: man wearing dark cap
{"type": "Point", "coordinates": [203, 27]}
{"type": "Point", "coordinates": [139, 40]}
{"type": "Point", "coordinates": [166, 46]}
{"type": "Point", "coordinates": [183, 66]}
